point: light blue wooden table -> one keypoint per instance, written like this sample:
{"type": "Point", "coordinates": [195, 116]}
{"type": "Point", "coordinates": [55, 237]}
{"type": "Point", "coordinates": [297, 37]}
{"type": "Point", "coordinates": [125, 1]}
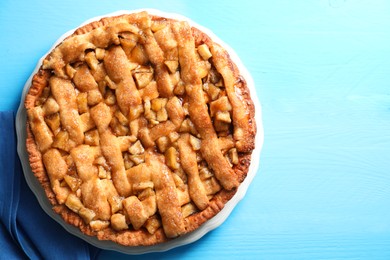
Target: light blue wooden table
{"type": "Point", "coordinates": [322, 72]}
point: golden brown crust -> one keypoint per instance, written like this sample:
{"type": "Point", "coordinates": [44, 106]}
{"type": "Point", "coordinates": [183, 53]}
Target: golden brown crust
{"type": "Point", "coordinates": [141, 236]}
{"type": "Point", "coordinates": [247, 142]}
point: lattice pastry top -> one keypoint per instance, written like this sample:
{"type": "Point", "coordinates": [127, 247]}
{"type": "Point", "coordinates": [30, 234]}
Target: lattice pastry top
{"type": "Point", "coordinates": [140, 128]}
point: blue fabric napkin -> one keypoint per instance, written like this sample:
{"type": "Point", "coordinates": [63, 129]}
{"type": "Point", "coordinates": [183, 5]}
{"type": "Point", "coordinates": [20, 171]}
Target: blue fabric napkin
{"type": "Point", "coordinates": [26, 231]}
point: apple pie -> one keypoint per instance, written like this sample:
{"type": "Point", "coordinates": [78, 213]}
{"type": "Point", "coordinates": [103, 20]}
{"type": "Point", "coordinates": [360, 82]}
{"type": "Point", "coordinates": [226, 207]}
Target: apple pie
{"type": "Point", "coordinates": [140, 128]}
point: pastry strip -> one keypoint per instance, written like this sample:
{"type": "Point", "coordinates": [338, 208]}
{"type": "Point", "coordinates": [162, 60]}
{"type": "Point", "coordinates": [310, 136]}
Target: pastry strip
{"type": "Point", "coordinates": [198, 110]}
{"type": "Point", "coordinates": [135, 211]}
{"type": "Point", "coordinates": [111, 149]}
{"type": "Point", "coordinates": [166, 196]}
{"type": "Point", "coordinates": [84, 80]}
{"type": "Point", "coordinates": [175, 111]}
{"type": "Point", "coordinates": [42, 133]}
{"type": "Point", "coordinates": [94, 191]}
{"type": "Point", "coordinates": [162, 129]}
{"type": "Point", "coordinates": [83, 157]}
{"type": "Point", "coordinates": [118, 69]}
{"type": "Point", "coordinates": [64, 94]}
{"type": "Point", "coordinates": [241, 117]}
{"type": "Point", "coordinates": [56, 169]}
{"type": "Point", "coordinates": [188, 161]}
{"type": "Point", "coordinates": [156, 56]}
{"type": "Point", "coordinates": [139, 211]}
{"type": "Point", "coordinates": [95, 194]}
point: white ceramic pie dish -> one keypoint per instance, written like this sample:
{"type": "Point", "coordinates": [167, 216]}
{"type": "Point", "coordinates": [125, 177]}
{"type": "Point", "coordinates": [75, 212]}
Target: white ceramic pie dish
{"type": "Point", "coordinates": [211, 224]}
